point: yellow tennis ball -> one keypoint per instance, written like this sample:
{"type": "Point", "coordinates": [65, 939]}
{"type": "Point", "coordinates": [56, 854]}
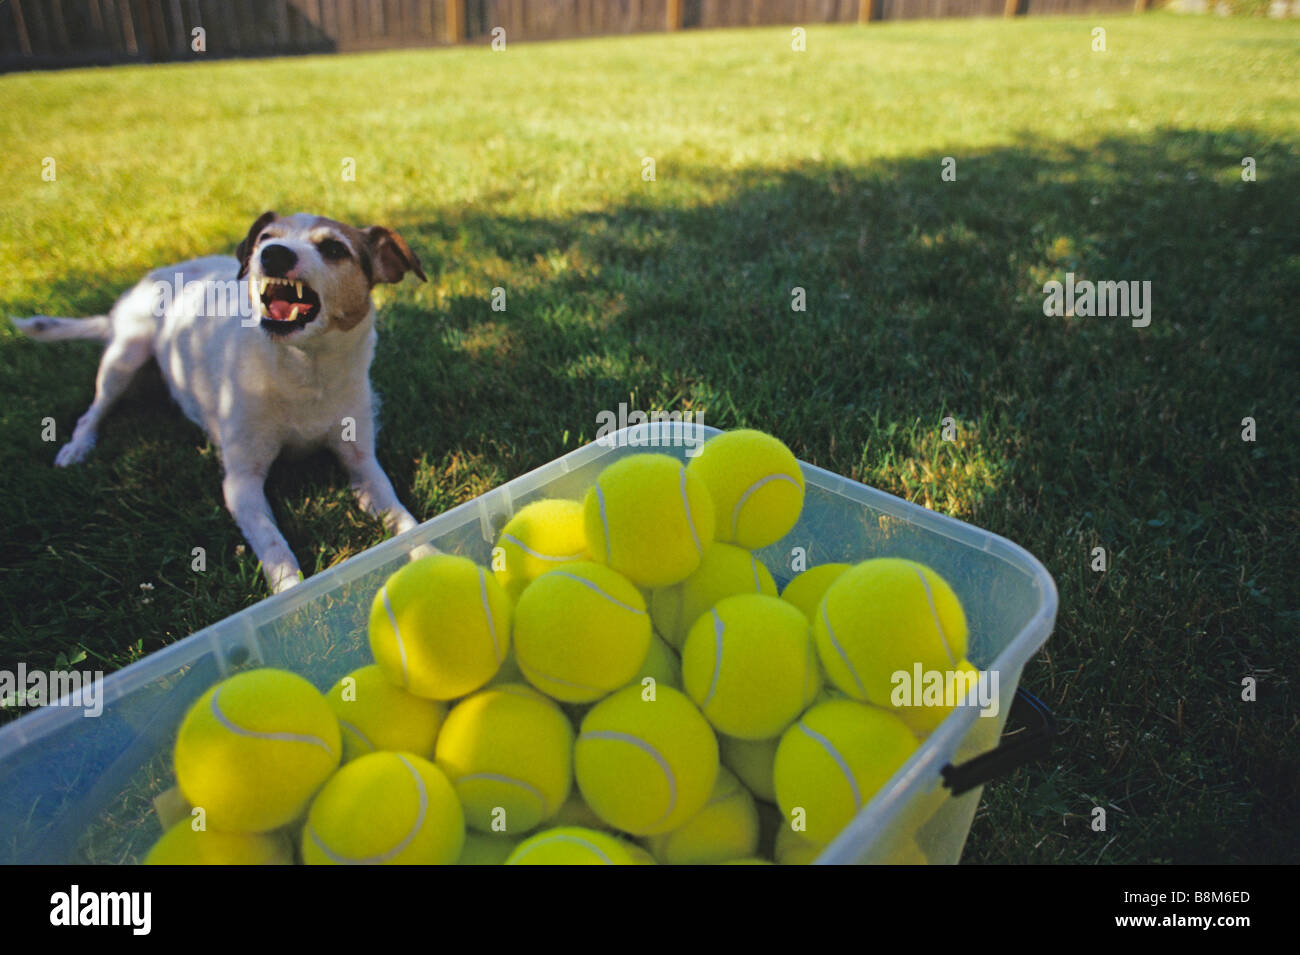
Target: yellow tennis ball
{"type": "Point", "coordinates": [726, 570]}
{"type": "Point", "coordinates": [575, 845]}
{"type": "Point", "coordinates": [833, 760]}
{"type": "Point", "coordinates": [793, 849]}
{"type": "Point", "coordinates": [487, 848]}
{"type": "Point", "coordinates": [751, 761]}
{"type": "Point", "coordinates": [182, 845]}
{"type": "Point", "coordinates": [374, 714]}
{"type": "Point", "coordinates": [440, 627]}
{"type": "Point", "coordinates": [750, 666]}
{"type": "Point", "coordinates": [542, 536]}
{"type": "Point", "coordinates": [385, 808]}
{"type": "Point", "coordinates": [580, 632]}
{"type": "Point", "coordinates": [662, 664]}
{"type": "Point", "coordinates": [726, 828]}
{"type": "Point", "coordinates": [646, 765]}
{"type": "Point", "coordinates": [884, 617]}
{"type": "Point", "coordinates": [650, 519]}
{"type": "Point", "coordinates": [253, 750]}
{"type": "Point", "coordinates": [923, 718]}
{"type": "Point", "coordinates": [756, 486]}
{"type": "Point", "coordinates": [807, 589]}
{"type": "Point", "coordinates": [508, 752]}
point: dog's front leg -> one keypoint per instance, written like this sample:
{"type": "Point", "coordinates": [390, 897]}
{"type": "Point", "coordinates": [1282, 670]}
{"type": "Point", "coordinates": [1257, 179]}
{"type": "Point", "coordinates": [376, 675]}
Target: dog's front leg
{"type": "Point", "coordinates": [375, 494]}
{"type": "Point", "coordinates": [244, 490]}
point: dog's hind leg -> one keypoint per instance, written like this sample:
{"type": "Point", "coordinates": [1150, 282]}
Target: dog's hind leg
{"type": "Point", "coordinates": [122, 359]}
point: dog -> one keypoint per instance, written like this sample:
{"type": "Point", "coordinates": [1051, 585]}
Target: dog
{"type": "Point", "coordinates": [285, 367]}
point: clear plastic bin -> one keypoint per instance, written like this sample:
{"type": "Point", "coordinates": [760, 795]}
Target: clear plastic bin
{"type": "Point", "coordinates": [77, 789]}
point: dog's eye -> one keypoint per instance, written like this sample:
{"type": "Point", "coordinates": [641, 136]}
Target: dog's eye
{"type": "Point", "coordinates": [332, 249]}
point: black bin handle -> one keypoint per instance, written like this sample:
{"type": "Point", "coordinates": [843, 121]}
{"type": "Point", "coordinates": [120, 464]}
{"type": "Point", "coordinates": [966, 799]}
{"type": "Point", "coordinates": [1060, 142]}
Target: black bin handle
{"type": "Point", "coordinates": [1020, 749]}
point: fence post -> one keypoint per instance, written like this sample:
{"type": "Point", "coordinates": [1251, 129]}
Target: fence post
{"type": "Point", "coordinates": [866, 11]}
{"type": "Point", "coordinates": [1011, 9]}
{"type": "Point", "coordinates": [674, 15]}
{"type": "Point", "coordinates": [1139, 6]}
{"type": "Point", "coordinates": [455, 21]}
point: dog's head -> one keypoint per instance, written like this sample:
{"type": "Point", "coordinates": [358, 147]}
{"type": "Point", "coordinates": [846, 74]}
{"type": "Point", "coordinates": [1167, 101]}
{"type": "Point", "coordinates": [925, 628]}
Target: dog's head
{"type": "Point", "coordinates": [310, 275]}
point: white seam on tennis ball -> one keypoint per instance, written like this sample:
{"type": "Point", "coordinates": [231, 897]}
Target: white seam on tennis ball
{"type": "Point", "coordinates": [839, 761]}
{"type": "Point", "coordinates": [830, 632]}
{"type": "Point", "coordinates": [749, 491]}
{"type": "Point", "coordinates": [718, 628]}
{"type": "Point", "coordinates": [509, 780]}
{"type": "Point", "coordinates": [566, 837]}
{"type": "Point", "coordinates": [256, 734]}
{"type": "Point", "coordinates": [558, 558]}
{"type": "Point", "coordinates": [344, 724]}
{"type": "Point", "coordinates": [397, 635]}
{"type": "Point", "coordinates": [397, 849]}
{"type": "Point", "coordinates": [604, 518]}
{"type": "Point", "coordinates": [652, 752]}
{"type": "Point", "coordinates": [934, 612]}
{"type": "Point", "coordinates": [690, 519]}
{"type": "Point", "coordinates": [487, 612]}
{"type": "Point", "coordinates": [525, 669]}
{"type": "Point", "coordinates": [753, 565]}
{"type": "Point", "coordinates": [592, 585]}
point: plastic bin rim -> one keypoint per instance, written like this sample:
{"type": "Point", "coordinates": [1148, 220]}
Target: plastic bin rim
{"type": "Point", "coordinates": [39, 723]}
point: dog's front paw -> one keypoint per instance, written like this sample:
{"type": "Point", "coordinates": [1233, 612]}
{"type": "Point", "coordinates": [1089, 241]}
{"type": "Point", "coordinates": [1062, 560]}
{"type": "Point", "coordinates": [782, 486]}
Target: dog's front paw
{"type": "Point", "coordinates": [283, 578]}
{"type": "Point", "coordinates": [74, 452]}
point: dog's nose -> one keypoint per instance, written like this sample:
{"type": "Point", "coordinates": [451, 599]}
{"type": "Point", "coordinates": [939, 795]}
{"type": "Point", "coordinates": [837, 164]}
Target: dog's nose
{"type": "Point", "coordinates": [277, 260]}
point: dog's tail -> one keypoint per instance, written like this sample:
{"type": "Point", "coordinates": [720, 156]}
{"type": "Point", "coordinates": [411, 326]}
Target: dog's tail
{"type": "Point", "coordinates": [45, 328]}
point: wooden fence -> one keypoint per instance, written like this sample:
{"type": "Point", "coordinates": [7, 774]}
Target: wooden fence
{"type": "Point", "coordinates": [52, 33]}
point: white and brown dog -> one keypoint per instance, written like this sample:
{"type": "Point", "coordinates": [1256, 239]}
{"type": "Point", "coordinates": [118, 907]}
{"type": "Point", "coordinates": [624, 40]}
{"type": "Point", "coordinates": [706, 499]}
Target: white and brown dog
{"type": "Point", "coordinates": [267, 352]}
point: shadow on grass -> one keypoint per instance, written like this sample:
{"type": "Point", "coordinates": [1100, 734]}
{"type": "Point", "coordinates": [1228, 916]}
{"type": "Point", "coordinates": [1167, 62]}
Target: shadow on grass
{"type": "Point", "coordinates": [923, 300]}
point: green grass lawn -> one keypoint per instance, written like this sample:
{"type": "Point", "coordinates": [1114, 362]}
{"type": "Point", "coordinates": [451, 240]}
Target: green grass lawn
{"type": "Point", "coordinates": [774, 169]}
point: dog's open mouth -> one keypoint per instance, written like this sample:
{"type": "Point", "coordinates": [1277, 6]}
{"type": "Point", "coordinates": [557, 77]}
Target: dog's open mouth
{"type": "Point", "coordinates": [287, 304]}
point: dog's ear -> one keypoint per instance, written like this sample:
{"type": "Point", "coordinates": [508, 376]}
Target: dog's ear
{"type": "Point", "coordinates": [245, 250]}
{"type": "Point", "coordinates": [390, 257]}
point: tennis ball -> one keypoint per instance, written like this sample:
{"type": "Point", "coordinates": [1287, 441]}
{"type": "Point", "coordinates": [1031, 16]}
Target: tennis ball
{"type": "Point", "coordinates": [661, 663]}
{"type": "Point", "coordinates": [581, 632]}
{"type": "Point", "coordinates": [888, 616]}
{"type": "Point", "coordinates": [833, 760]}
{"type": "Point", "coordinates": [574, 845]}
{"type": "Point", "coordinates": [725, 571]}
{"type": "Point", "coordinates": [646, 766]}
{"type": "Point", "coordinates": [253, 750]}
{"type": "Point", "coordinates": [752, 760]}
{"type": "Point", "coordinates": [182, 845]}
{"type": "Point", "coordinates": [374, 714]}
{"type": "Point", "coordinates": [793, 849]}
{"type": "Point", "coordinates": [541, 537]}
{"type": "Point", "coordinates": [508, 752]}
{"type": "Point", "coordinates": [756, 486]}
{"type": "Point", "coordinates": [484, 848]}
{"type": "Point", "coordinates": [440, 627]}
{"type": "Point", "coordinates": [807, 589]}
{"type": "Point", "coordinates": [385, 808]}
{"type": "Point", "coordinates": [650, 519]}
{"type": "Point", "coordinates": [726, 828]}
{"type": "Point", "coordinates": [750, 666]}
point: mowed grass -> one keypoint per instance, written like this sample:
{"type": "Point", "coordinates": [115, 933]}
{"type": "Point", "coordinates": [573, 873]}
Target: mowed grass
{"type": "Point", "coordinates": [774, 169]}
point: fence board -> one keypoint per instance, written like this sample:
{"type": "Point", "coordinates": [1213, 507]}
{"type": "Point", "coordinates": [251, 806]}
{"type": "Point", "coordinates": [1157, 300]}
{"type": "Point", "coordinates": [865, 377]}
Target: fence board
{"type": "Point", "coordinates": [70, 32]}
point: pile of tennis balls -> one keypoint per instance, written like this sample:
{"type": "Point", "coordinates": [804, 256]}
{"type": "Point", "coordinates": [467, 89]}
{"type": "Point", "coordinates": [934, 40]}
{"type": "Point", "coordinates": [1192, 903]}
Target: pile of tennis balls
{"type": "Point", "coordinates": [623, 685]}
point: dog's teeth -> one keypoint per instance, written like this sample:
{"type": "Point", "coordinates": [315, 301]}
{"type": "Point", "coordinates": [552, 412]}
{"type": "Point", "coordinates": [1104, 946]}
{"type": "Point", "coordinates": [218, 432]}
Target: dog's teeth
{"type": "Point", "coordinates": [297, 287]}
{"type": "Point", "coordinates": [262, 287]}
{"type": "Point", "coordinates": [293, 314]}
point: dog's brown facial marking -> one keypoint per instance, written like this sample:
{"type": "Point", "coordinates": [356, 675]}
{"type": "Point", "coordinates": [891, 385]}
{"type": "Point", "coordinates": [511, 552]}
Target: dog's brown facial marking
{"type": "Point", "coordinates": [312, 274]}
